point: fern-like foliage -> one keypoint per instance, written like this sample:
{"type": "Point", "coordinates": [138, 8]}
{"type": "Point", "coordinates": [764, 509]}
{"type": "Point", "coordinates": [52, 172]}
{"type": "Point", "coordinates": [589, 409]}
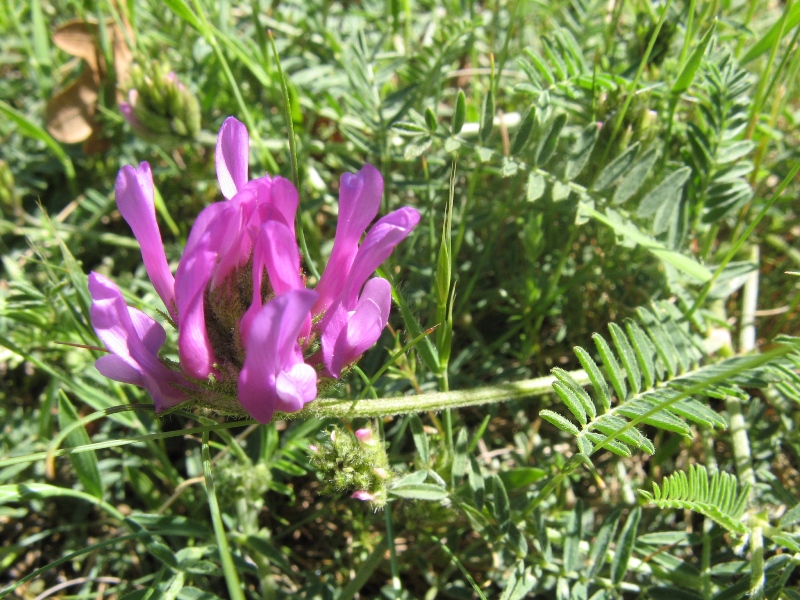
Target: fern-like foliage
{"type": "Point", "coordinates": [652, 376]}
{"type": "Point", "coordinates": [561, 69]}
{"type": "Point", "coordinates": [717, 148]}
{"type": "Point", "coordinates": [717, 497]}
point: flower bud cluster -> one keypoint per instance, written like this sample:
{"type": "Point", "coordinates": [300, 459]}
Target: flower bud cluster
{"type": "Point", "coordinates": [354, 464]}
{"type": "Point", "coordinates": [252, 339]}
{"type": "Point", "coordinates": [160, 108]}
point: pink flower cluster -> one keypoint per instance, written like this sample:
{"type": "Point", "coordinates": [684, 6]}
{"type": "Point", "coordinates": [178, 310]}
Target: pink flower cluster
{"type": "Point", "coordinates": [245, 320]}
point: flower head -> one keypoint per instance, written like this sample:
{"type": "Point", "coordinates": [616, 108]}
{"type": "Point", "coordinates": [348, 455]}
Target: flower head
{"type": "Point", "coordinates": [251, 338]}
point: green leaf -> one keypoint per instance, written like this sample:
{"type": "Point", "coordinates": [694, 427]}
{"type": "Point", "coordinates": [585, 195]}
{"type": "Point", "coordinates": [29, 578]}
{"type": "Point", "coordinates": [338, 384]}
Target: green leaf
{"type": "Point", "coordinates": [487, 116]}
{"type": "Point", "coordinates": [668, 190]}
{"type": "Point", "coordinates": [768, 39]}
{"type": "Point", "coordinates": [715, 497]}
{"type": "Point", "coordinates": [572, 401]}
{"type": "Point", "coordinates": [595, 376]}
{"type": "Point", "coordinates": [521, 477]}
{"type": "Point", "coordinates": [476, 484]}
{"type": "Point", "coordinates": [689, 70]}
{"type": "Point", "coordinates": [502, 511]}
{"type": "Point", "coordinates": [644, 352]}
{"type": "Point", "coordinates": [420, 491]}
{"type": "Point", "coordinates": [635, 177]}
{"type": "Point", "coordinates": [562, 423]}
{"type": "Point", "coordinates": [627, 356]}
{"type": "Point", "coordinates": [417, 148]}
{"type": "Point", "coordinates": [613, 371]}
{"type": "Point", "coordinates": [609, 424]}
{"type": "Point", "coordinates": [583, 397]}
{"type": "Point", "coordinates": [536, 187]}
{"type": "Point", "coordinates": [550, 139]}
{"type": "Point", "coordinates": [460, 460]}
{"type": "Point", "coordinates": [615, 169]}
{"type": "Point", "coordinates": [460, 113]}
{"type": "Point", "coordinates": [41, 37]}
{"type": "Point", "coordinates": [85, 463]}
{"type": "Point", "coordinates": [430, 119]}
{"type": "Point", "coordinates": [524, 132]}
{"type": "Point", "coordinates": [625, 542]}
{"type": "Point", "coordinates": [573, 532]}
{"type": "Point", "coordinates": [182, 9]}
{"type": "Point", "coordinates": [733, 151]}
{"type": "Point", "coordinates": [578, 155]}
{"type": "Point", "coordinates": [614, 446]}
{"type": "Point", "coordinates": [597, 554]}
{"type": "Point", "coordinates": [420, 438]}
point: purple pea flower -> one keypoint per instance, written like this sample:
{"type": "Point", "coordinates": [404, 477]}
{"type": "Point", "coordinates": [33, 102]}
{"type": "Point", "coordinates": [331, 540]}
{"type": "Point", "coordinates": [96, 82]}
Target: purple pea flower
{"type": "Point", "coordinates": [246, 324]}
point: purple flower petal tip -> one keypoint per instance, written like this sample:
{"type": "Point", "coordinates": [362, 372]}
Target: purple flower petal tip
{"type": "Point", "coordinates": [134, 193]}
{"type": "Point", "coordinates": [363, 495]}
{"type": "Point", "coordinates": [232, 157]}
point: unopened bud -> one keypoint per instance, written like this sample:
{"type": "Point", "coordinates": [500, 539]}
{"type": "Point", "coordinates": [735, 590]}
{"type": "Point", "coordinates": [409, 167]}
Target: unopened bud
{"type": "Point", "coordinates": [365, 436]}
{"type": "Point", "coordinates": [160, 108]}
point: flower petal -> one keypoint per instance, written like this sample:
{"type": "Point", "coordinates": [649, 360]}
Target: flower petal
{"type": "Point", "coordinates": [114, 367]}
{"type": "Point", "coordinates": [276, 250]}
{"type": "Point", "coordinates": [133, 339]}
{"type": "Point", "coordinates": [296, 387]}
{"type": "Point", "coordinates": [346, 335]}
{"type": "Point", "coordinates": [232, 157]}
{"type": "Point", "coordinates": [194, 272]}
{"type": "Point", "coordinates": [359, 201]}
{"type": "Point", "coordinates": [272, 353]}
{"type": "Point", "coordinates": [376, 248]}
{"type": "Point", "coordinates": [134, 194]}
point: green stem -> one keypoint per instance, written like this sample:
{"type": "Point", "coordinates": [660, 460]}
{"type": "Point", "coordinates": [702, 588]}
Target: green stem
{"type": "Point", "coordinates": [401, 405]}
{"type": "Point", "coordinates": [757, 564]}
{"type": "Point", "coordinates": [231, 576]}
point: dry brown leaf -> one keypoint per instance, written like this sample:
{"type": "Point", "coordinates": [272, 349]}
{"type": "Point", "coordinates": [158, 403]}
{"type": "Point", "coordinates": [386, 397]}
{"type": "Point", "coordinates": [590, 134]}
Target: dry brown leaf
{"type": "Point", "coordinates": [79, 38]}
{"type": "Point", "coordinates": [70, 111]}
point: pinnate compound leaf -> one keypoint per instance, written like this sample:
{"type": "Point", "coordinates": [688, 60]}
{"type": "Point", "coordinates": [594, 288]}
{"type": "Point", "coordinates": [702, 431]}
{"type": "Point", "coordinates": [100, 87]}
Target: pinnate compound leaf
{"type": "Point", "coordinates": [717, 497]}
